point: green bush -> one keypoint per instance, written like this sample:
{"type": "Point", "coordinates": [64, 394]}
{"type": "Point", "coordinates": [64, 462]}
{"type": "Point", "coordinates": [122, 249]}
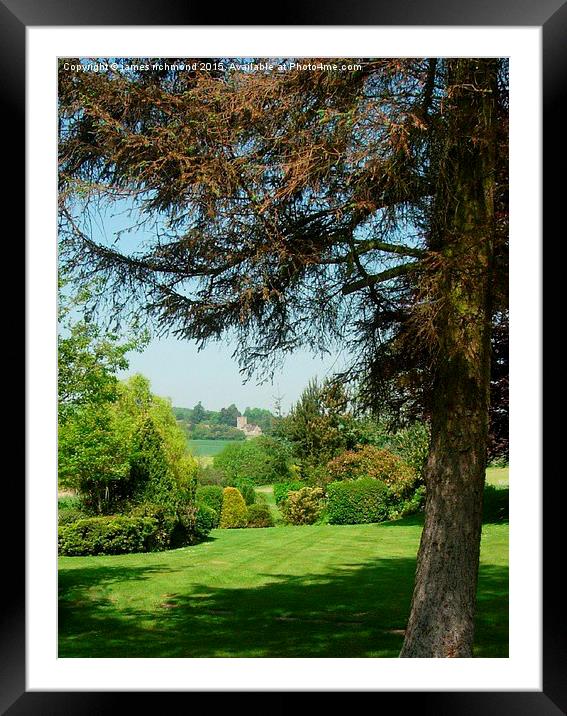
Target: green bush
{"type": "Point", "coordinates": [165, 524]}
{"type": "Point", "coordinates": [262, 461]}
{"type": "Point", "coordinates": [205, 520]}
{"type": "Point", "coordinates": [192, 525]}
{"type": "Point", "coordinates": [211, 496]}
{"type": "Point", "coordinates": [282, 489]}
{"type": "Point", "coordinates": [67, 516]}
{"type": "Point", "coordinates": [304, 506]}
{"type": "Point", "coordinates": [259, 515]}
{"type": "Point", "coordinates": [379, 464]}
{"type": "Point", "coordinates": [246, 489]}
{"type": "Point", "coordinates": [261, 499]}
{"type": "Point", "coordinates": [354, 502]}
{"type": "Point", "coordinates": [234, 513]}
{"type": "Point", "coordinates": [403, 508]}
{"type": "Point", "coordinates": [317, 475]}
{"type": "Point", "coordinates": [69, 502]}
{"type": "Point", "coordinates": [499, 461]}
{"type": "Point", "coordinates": [208, 475]}
{"type": "Point", "coordinates": [412, 445]}
{"type": "Point", "coordinates": [114, 534]}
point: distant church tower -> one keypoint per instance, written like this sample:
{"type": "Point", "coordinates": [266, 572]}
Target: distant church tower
{"type": "Point", "coordinates": [250, 430]}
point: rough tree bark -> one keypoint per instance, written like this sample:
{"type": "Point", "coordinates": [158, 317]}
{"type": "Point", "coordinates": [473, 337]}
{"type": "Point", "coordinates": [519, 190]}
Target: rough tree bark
{"type": "Point", "coordinates": [441, 622]}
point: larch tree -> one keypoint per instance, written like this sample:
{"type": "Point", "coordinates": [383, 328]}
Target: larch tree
{"type": "Point", "coordinates": [296, 207]}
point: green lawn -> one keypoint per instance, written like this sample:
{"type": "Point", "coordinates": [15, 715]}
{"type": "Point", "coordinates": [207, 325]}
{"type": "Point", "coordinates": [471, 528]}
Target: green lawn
{"type": "Point", "coordinates": [320, 591]}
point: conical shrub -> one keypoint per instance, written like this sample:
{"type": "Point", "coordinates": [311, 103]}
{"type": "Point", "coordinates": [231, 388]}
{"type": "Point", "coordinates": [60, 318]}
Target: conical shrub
{"type": "Point", "coordinates": [234, 512]}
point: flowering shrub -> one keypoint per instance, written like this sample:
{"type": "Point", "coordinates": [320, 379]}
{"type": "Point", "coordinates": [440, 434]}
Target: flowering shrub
{"type": "Point", "coordinates": [376, 463]}
{"type": "Point", "coordinates": [303, 506]}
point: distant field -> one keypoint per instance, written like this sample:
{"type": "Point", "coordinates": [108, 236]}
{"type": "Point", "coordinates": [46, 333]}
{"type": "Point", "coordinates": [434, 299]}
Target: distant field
{"type": "Point", "coordinates": [208, 448]}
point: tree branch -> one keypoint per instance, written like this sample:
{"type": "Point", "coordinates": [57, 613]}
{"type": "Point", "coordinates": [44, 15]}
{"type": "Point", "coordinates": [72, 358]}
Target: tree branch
{"type": "Point", "coordinates": [379, 278]}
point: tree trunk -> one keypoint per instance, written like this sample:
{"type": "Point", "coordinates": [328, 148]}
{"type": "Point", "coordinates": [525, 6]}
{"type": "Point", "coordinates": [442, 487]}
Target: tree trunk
{"type": "Point", "coordinates": [441, 622]}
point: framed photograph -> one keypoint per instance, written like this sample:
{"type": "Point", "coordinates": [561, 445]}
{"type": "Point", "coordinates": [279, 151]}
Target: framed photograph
{"type": "Point", "coordinates": [528, 675]}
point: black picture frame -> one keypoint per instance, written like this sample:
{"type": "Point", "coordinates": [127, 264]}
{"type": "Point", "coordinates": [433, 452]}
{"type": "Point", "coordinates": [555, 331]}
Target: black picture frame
{"type": "Point", "coordinates": [551, 17]}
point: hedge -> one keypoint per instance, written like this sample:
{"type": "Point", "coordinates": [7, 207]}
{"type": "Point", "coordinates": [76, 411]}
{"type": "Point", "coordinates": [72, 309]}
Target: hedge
{"type": "Point", "coordinates": [106, 535]}
{"type": "Point", "coordinates": [355, 502]}
{"type": "Point", "coordinates": [69, 515]}
{"type": "Point", "coordinates": [149, 528]}
{"type": "Point", "coordinates": [262, 461]}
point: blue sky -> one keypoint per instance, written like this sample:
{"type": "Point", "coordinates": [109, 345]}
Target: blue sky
{"type": "Point", "coordinates": [178, 371]}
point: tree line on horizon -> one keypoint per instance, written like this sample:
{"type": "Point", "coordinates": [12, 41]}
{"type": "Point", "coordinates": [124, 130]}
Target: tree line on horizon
{"type": "Point", "coordinates": [203, 424]}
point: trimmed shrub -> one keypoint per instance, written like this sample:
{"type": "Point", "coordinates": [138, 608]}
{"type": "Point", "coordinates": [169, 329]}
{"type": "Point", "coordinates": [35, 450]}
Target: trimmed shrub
{"type": "Point", "coordinates": [259, 515]}
{"type": "Point", "coordinates": [355, 502]}
{"type": "Point", "coordinates": [68, 516]}
{"type": "Point", "coordinates": [205, 520]}
{"type": "Point", "coordinates": [282, 490]}
{"type": "Point", "coordinates": [303, 506]}
{"type": "Point", "coordinates": [379, 464]}
{"type": "Point", "coordinates": [211, 496]}
{"type": "Point", "coordinates": [234, 513]}
{"type": "Point", "coordinates": [113, 534]}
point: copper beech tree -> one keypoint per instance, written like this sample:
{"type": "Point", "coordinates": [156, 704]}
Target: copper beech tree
{"type": "Point", "coordinates": [294, 207]}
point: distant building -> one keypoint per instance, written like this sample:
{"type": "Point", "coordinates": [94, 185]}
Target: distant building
{"type": "Point", "coordinates": [249, 429]}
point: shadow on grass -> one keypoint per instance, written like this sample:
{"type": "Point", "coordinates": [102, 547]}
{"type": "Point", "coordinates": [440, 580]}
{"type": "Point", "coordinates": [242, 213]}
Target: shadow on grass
{"type": "Point", "coordinates": [353, 610]}
{"type": "Point", "coordinates": [495, 504]}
